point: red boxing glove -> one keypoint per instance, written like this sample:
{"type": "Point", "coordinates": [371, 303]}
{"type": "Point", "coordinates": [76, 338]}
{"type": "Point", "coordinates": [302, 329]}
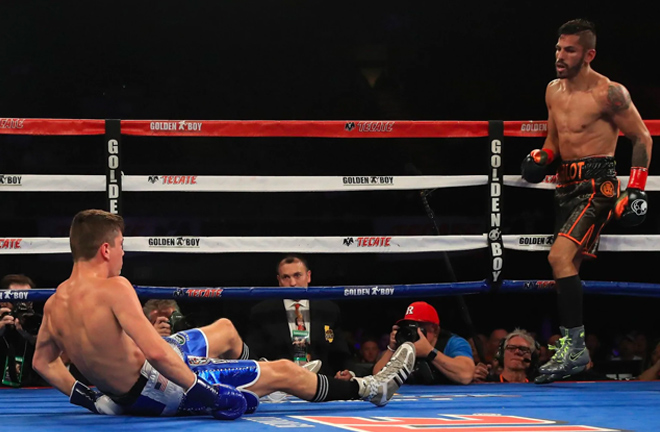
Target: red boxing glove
{"type": "Point", "coordinates": [542, 157]}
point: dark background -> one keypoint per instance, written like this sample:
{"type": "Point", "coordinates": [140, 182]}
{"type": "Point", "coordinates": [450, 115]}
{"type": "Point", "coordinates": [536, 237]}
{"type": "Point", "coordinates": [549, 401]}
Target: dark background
{"type": "Point", "coordinates": [311, 60]}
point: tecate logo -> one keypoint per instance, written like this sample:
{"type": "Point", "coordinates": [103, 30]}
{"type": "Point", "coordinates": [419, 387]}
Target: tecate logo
{"type": "Point", "coordinates": [11, 123]}
{"type": "Point", "coordinates": [370, 126]}
{"type": "Point", "coordinates": [368, 241]}
{"type": "Point", "coordinates": [204, 292]}
{"type": "Point", "coordinates": [172, 179]}
{"type": "Point", "coordinates": [10, 243]}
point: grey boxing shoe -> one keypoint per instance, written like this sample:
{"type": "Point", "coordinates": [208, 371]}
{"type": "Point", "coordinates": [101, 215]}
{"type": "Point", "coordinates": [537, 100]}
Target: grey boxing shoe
{"type": "Point", "coordinates": [572, 355]}
{"type": "Point", "coordinates": [379, 389]}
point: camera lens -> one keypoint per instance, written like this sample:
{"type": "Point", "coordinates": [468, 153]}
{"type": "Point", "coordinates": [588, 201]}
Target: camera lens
{"type": "Point", "coordinates": [407, 333]}
{"type": "Point", "coordinates": [178, 322]}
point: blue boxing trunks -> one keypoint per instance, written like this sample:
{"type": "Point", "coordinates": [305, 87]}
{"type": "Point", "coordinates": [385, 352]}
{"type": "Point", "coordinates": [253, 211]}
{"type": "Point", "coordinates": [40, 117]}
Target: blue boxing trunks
{"type": "Point", "coordinates": [155, 395]}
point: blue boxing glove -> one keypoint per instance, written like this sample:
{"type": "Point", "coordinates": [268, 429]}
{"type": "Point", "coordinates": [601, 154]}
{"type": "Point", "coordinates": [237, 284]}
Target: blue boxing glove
{"type": "Point", "coordinates": [222, 400]}
{"type": "Point", "coordinates": [93, 400]}
{"type": "Point", "coordinates": [534, 167]}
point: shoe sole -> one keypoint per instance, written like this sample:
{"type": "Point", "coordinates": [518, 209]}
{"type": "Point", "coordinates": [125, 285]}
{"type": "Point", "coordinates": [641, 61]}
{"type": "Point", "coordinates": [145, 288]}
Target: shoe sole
{"type": "Point", "coordinates": [399, 377]}
{"type": "Point", "coordinates": [573, 371]}
{"type": "Point", "coordinates": [548, 378]}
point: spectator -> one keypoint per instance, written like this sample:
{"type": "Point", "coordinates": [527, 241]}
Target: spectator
{"type": "Point", "coordinates": [369, 351]}
{"type": "Point", "coordinates": [641, 346]}
{"type": "Point", "coordinates": [597, 355]}
{"type": "Point", "coordinates": [367, 357]}
{"type": "Point", "coordinates": [281, 328]}
{"type": "Point", "coordinates": [475, 354]}
{"type": "Point", "coordinates": [627, 349]}
{"type": "Point", "coordinates": [19, 324]}
{"type": "Point", "coordinates": [518, 354]}
{"type": "Point", "coordinates": [442, 357]}
{"type": "Point", "coordinates": [546, 351]}
{"type": "Point", "coordinates": [652, 373]}
{"type": "Point", "coordinates": [493, 344]}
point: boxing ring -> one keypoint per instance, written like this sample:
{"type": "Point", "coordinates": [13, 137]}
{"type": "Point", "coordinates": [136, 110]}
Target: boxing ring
{"type": "Point", "coordinates": [559, 406]}
{"type": "Point", "coordinates": [566, 407]}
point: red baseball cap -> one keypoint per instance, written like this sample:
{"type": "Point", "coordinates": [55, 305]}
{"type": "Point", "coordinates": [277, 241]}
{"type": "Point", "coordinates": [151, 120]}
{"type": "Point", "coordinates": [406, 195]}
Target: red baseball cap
{"type": "Point", "coordinates": [421, 311]}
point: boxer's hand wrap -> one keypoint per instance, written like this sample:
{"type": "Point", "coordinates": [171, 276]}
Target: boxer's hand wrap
{"type": "Point", "coordinates": [93, 400]}
{"type": "Point", "coordinates": [84, 396]}
{"type": "Point", "coordinates": [638, 178]}
{"type": "Point", "coordinates": [223, 401]}
{"type": "Point", "coordinates": [632, 205]}
{"type": "Point", "coordinates": [534, 167]}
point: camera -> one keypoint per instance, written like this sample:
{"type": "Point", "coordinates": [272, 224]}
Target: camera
{"type": "Point", "coordinates": [178, 322]}
{"type": "Point", "coordinates": [27, 317]}
{"type": "Point", "coordinates": [408, 332]}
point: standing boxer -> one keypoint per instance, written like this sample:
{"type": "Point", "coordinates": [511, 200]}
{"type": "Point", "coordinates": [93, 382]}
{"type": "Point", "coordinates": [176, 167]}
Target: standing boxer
{"type": "Point", "coordinates": [586, 111]}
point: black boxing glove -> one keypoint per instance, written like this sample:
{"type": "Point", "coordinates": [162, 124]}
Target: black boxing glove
{"type": "Point", "coordinates": [632, 205]}
{"type": "Point", "coordinates": [534, 167]}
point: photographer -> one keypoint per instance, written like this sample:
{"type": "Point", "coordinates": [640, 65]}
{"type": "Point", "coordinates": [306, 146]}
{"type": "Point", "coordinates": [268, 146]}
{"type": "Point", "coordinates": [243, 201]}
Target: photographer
{"type": "Point", "coordinates": [19, 324]}
{"type": "Point", "coordinates": [442, 357]}
{"type": "Point", "coordinates": [165, 316]}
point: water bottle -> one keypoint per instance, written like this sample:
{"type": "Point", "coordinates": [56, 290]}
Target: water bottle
{"type": "Point", "coordinates": [300, 344]}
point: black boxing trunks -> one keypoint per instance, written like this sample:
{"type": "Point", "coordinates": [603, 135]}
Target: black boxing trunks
{"type": "Point", "coordinates": [133, 394]}
{"type": "Point", "coordinates": [586, 193]}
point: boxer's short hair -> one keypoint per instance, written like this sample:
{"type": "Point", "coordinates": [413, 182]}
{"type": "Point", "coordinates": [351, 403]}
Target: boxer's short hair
{"type": "Point", "coordinates": [90, 229]}
{"type": "Point", "coordinates": [585, 30]}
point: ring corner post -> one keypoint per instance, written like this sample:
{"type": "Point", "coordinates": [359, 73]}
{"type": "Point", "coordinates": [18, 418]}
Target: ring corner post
{"type": "Point", "coordinates": [495, 188]}
{"type": "Point", "coordinates": [113, 173]}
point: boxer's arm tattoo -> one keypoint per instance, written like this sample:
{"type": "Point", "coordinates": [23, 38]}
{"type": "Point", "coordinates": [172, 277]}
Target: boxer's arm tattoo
{"type": "Point", "coordinates": [640, 156]}
{"type": "Point", "coordinates": [618, 98]}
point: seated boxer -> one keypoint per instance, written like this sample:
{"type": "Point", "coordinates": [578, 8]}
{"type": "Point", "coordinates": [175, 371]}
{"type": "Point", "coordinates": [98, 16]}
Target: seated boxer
{"type": "Point", "coordinates": [95, 317]}
{"type": "Point", "coordinates": [586, 111]}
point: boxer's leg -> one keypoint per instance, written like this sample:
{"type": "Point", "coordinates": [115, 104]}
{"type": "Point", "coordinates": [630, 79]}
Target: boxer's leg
{"type": "Point", "coordinates": [286, 376]}
{"type": "Point", "coordinates": [571, 356]}
{"type": "Point", "coordinates": [217, 340]}
{"type": "Point", "coordinates": [224, 341]}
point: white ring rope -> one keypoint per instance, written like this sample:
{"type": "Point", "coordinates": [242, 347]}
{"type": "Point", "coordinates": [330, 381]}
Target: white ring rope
{"type": "Point", "coordinates": [653, 182]}
{"type": "Point", "coordinates": [347, 244]}
{"type": "Point", "coordinates": [294, 184]}
{"type": "Point", "coordinates": [52, 183]}
{"type": "Point", "coordinates": [194, 183]}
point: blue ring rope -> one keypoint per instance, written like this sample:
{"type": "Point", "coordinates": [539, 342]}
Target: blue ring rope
{"type": "Point", "coordinates": [358, 291]}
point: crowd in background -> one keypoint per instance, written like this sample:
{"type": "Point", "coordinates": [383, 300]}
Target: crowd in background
{"type": "Point", "coordinates": [495, 354]}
